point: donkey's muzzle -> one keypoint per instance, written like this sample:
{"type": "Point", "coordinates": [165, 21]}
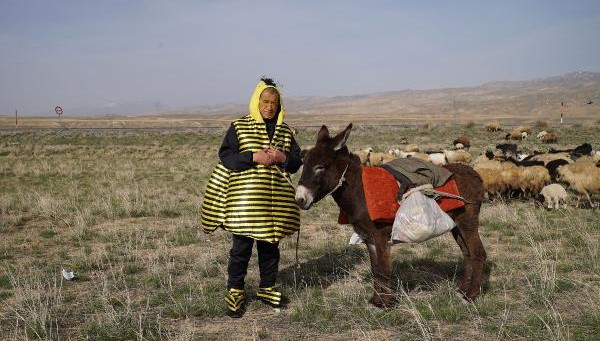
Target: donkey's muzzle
{"type": "Point", "coordinates": [304, 197]}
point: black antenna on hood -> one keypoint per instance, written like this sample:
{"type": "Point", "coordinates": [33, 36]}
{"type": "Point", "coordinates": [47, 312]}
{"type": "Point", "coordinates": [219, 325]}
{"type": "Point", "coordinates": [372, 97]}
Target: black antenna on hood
{"type": "Point", "coordinates": [268, 81]}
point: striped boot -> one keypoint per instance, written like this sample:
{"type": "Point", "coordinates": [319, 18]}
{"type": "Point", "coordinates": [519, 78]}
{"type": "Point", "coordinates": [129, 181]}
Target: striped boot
{"type": "Point", "coordinates": [236, 301]}
{"type": "Point", "coordinates": [270, 296]}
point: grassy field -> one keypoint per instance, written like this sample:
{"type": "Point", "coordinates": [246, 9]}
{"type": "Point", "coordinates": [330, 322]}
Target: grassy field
{"type": "Point", "coordinates": [120, 210]}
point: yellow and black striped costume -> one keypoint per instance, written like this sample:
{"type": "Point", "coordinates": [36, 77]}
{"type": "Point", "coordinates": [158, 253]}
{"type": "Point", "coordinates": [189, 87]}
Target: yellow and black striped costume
{"type": "Point", "coordinates": [257, 202]}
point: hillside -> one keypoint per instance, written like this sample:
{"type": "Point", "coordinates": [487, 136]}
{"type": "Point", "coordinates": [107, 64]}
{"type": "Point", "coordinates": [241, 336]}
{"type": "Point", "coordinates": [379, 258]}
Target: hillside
{"type": "Point", "coordinates": [508, 102]}
{"type": "Point", "coordinates": [531, 99]}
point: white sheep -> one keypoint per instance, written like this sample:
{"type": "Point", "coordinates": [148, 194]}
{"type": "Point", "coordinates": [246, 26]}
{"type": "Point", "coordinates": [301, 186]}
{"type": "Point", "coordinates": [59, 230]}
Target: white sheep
{"type": "Point", "coordinates": [404, 154]}
{"type": "Point", "coordinates": [524, 135]}
{"type": "Point", "coordinates": [411, 148]}
{"type": "Point", "coordinates": [438, 159]}
{"type": "Point", "coordinates": [378, 159]}
{"type": "Point", "coordinates": [554, 195]}
{"type": "Point", "coordinates": [363, 155]}
{"type": "Point", "coordinates": [458, 156]}
{"type": "Point", "coordinates": [541, 134]}
{"type": "Point", "coordinates": [394, 151]}
{"type": "Point", "coordinates": [422, 156]}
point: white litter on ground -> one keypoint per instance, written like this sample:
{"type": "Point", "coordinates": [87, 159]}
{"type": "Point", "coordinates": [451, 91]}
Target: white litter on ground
{"type": "Point", "coordinates": [68, 275]}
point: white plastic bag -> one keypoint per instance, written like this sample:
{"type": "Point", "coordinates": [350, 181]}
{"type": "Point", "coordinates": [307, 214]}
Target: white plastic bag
{"type": "Point", "coordinates": [419, 218]}
{"type": "Point", "coordinates": [355, 239]}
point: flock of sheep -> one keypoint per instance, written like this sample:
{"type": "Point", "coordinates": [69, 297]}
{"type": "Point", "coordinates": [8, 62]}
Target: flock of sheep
{"type": "Point", "coordinates": [507, 172]}
{"type": "Point", "coordinates": [523, 132]}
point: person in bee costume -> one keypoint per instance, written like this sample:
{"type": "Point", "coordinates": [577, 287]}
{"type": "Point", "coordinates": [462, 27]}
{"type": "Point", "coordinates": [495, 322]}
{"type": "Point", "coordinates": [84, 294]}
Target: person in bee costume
{"type": "Point", "coordinates": [249, 194]}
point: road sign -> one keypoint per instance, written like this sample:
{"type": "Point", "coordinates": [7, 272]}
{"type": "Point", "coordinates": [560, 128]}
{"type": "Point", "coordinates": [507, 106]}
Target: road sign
{"type": "Point", "coordinates": [562, 110]}
{"type": "Point", "coordinates": [58, 110]}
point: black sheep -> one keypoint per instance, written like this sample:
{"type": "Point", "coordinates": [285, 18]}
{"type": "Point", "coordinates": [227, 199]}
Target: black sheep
{"type": "Point", "coordinates": [525, 163]}
{"type": "Point", "coordinates": [553, 165]}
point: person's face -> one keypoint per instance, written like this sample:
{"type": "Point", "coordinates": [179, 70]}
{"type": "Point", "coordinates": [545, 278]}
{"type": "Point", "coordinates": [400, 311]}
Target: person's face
{"type": "Point", "coordinates": [268, 104]}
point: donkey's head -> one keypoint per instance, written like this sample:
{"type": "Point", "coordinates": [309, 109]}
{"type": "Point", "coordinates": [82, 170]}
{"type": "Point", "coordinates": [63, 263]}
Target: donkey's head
{"type": "Point", "coordinates": [324, 165]}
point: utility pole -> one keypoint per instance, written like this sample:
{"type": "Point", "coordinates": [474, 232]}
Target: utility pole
{"type": "Point", "coordinates": [16, 119]}
{"type": "Point", "coordinates": [562, 109]}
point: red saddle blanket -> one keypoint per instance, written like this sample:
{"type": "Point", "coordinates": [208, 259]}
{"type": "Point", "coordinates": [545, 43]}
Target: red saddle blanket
{"type": "Point", "coordinates": [381, 189]}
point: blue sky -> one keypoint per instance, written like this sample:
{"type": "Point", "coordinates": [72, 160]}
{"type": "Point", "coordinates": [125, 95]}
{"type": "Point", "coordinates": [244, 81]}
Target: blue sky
{"type": "Point", "coordinates": [190, 53]}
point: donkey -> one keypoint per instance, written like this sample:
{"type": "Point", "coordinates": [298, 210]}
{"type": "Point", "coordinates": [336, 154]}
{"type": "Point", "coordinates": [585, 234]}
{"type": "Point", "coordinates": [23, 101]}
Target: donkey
{"type": "Point", "coordinates": [329, 168]}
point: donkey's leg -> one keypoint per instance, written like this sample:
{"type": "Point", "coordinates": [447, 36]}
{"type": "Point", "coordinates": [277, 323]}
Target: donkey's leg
{"type": "Point", "coordinates": [468, 271]}
{"type": "Point", "coordinates": [375, 270]}
{"type": "Point", "coordinates": [381, 266]}
{"type": "Point", "coordinates": [467, 237]}
{"type": "Point", "coordinates": [373, 257]}
{"type": "Point", "coordinates": [477, 260]}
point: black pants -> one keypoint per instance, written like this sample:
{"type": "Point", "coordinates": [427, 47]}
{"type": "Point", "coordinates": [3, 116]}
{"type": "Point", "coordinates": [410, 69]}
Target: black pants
{"type": "Point", "coordinates": [239, 256]}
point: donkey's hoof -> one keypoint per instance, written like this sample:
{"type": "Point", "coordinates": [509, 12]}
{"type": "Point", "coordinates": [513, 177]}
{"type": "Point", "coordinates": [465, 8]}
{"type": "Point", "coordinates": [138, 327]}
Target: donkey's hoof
{"type": "Point", "coordinates": [382, 300]}
{"type": "Point", "coordinates": [463, 288]}
{"type": "Point", "coordinates": [468, 296]}
{"type": "Point", "coordinates": [459, 293]}
{"type": "Point", "coordinates": [472, 296]}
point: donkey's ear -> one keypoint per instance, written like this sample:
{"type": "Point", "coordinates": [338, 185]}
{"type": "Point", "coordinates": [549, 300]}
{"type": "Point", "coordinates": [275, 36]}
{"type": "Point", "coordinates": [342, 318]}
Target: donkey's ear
{"type": "Point", "coordinates": [323, 133]}
{"type": "Point", "coordinates": [341, 138]}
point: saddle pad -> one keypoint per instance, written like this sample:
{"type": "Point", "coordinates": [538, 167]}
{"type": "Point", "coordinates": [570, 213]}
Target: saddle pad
{"type": "Point", "coordinates": [381, 188]}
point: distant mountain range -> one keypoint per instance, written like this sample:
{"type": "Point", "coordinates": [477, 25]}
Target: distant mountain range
{"type": "Point", "coordinates": [578, 91]}
{"type": "Point", "coordinates": [541, 98]}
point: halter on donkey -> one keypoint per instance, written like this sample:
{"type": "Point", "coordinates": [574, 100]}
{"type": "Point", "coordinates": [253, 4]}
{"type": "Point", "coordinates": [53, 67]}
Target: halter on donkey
{"type": "Point", "coordinates": [329, 168]}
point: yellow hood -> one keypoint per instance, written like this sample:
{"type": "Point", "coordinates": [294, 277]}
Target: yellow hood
{"type": "Point", "coordinates": [254, 112]}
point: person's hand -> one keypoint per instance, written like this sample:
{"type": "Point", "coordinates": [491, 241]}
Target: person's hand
{"type": "Point", "coordinates": [262, 158]}
{"type": "Point", "coordinates": [278, 156]}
